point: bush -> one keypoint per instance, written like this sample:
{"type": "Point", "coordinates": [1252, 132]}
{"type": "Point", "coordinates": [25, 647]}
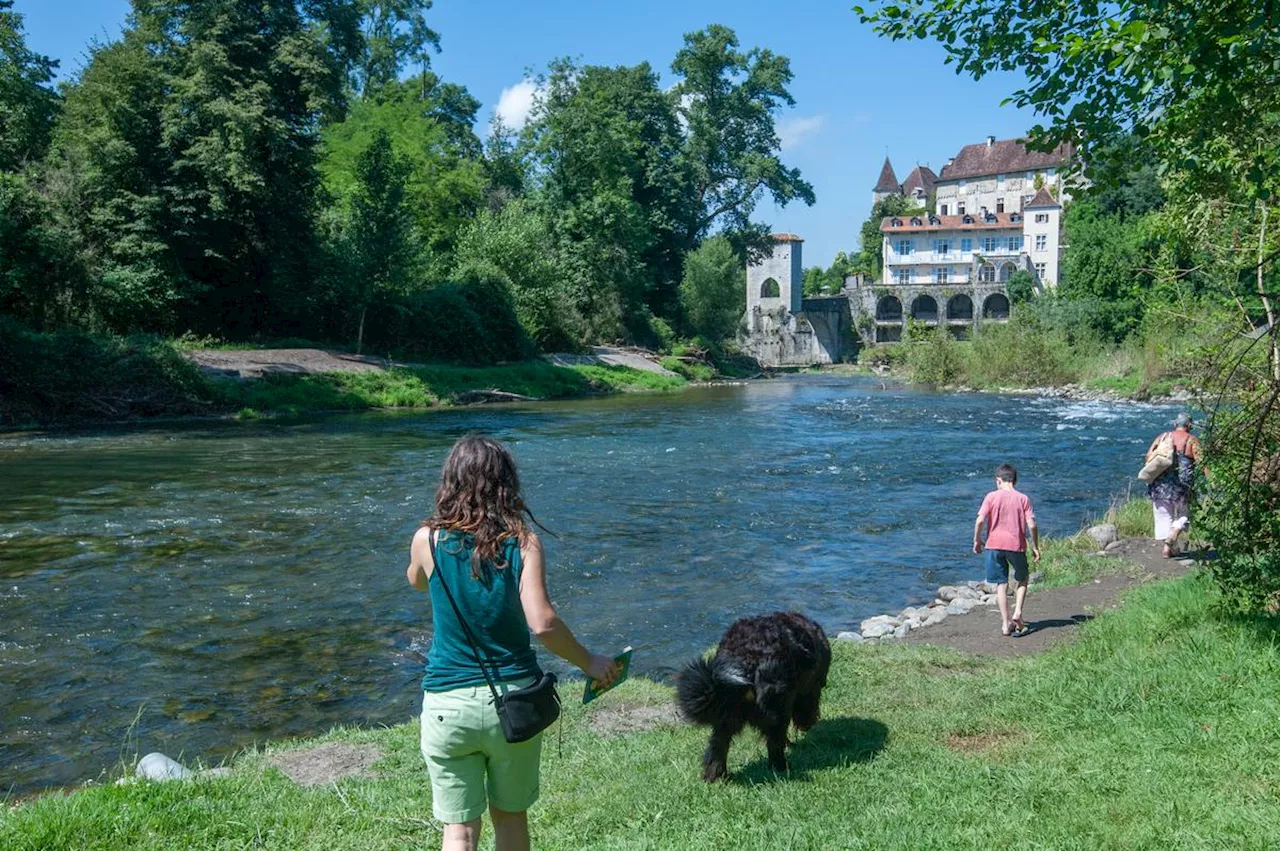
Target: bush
{"type": "Point", "coordinates": [713, 290]}
{"type": "Point", "coordinates": [883, 356]}
{"type": "Point", "coordinates": [937, 361]}
{"type": "Point", "coordinates": [1018, 353]}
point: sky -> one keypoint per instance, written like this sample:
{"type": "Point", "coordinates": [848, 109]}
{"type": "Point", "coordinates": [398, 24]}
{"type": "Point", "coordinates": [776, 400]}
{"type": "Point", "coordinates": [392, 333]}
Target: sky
{"type": "Point", "coordinates": [858, 96]}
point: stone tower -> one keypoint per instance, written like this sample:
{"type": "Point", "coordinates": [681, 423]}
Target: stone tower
{"type": "Point", "coordinates": [777, 280]}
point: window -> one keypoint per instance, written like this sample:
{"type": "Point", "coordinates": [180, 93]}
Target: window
{"type": "Point", "coordinates": [1015, 243]}
{"type": "Point", "coordinates": [1015, 217]}
{"type": "Point", "coordinates": [999, 180]}
{"type": "Point", "coordinates": [940, 276]}
{"type": "Point", "coordinates": [904, 246]}
{"type": "Point", "coordinates": [1049, 172]}
{"type": "Point", "coordinates": [769, 289]}
{"type": "Point", "coordinates": [915, 221]}
{"type": "Point", "coordinates": [942, 246]}
{"type": "Point", "coordinates": [990, 244]}
{"type": "Point", "coordinates": [1042, 242]}
{"type": "Point", "coordinates": [987, 274]}
{"type": "Point", "coordinates": [1031, 176]}
{"type": "Point", "coordinates": [966, 245]}
{"type": "Point", "coordinates": [999, 205]}
{"type": "Point", "coordinates": [960, 207]}
{"type": "Point", "coordinates": [1040, 270]}
{"type": "Point", "coordinates": [895, 223]}
{"type": "Point", "coordinates": [1042, 218]}
{"type": "Point", "coordinates": [902, 276]}
{"type": "Point", "coordinates": [944, 209]}
{"type": "Point", "coordinates": [964, 184]}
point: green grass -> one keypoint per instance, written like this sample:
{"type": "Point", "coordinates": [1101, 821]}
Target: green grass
{"type": "Point", "coordinates": [1156, 729]}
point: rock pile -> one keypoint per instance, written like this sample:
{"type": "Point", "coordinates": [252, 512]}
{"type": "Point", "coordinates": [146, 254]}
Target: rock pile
{"type": "Point", "coordinates": [951, 600]}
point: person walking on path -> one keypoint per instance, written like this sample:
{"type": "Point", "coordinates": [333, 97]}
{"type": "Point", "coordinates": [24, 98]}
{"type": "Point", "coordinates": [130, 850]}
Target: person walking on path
{"type": "Point", "coordinates": [479, 543]}
{"type": "Point", "coordinates": [1007, 517]}
{"type": "Point", "coordinates": [1171, 492]}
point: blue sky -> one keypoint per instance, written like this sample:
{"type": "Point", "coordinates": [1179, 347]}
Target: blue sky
{"type": "Point", "coordinates": [857, 96]}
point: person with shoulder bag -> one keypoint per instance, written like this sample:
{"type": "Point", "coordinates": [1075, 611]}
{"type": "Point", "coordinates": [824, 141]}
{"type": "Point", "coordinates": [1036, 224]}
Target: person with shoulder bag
{"type": "Point", "coordinates": [486, 701]}
{"type": "Point", "coordinates": [1169, 473]}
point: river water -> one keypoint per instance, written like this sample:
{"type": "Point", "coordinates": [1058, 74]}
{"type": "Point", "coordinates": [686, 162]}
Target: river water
{"type": "Point", "coordinates": [198, 589]}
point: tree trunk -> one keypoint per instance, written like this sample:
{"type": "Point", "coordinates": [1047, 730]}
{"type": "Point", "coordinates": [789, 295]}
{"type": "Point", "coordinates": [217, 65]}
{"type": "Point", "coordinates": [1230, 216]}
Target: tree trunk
{"type": "Point", "coordinates": [1266, 301]}
{"type": "Point", "coordinates": [360, 332]}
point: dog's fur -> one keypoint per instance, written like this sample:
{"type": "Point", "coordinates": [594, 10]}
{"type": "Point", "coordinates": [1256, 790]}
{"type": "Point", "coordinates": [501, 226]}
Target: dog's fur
{"type": "Point", "coordinates": [768, 672]}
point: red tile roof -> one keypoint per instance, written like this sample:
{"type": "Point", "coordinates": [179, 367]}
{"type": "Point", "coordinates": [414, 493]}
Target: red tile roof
{"type": "Point", "coordinates": [1000, 220]}
{"type": "Point", "coordinates": [786, 237]}
{"type": "Point", "coordinates": [1003, 156]}
{"type": "Point", "coordinates": [1042, 199]}
{"type": "Point", "coordinates": [888, 181]}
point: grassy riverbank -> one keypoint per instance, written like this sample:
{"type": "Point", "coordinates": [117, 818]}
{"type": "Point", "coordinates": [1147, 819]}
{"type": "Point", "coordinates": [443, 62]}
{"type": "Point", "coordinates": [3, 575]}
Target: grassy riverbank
{"type": "Point", "coordinates": [76, 378]}
{"type": "Point", "coordinates": [1155, 730]}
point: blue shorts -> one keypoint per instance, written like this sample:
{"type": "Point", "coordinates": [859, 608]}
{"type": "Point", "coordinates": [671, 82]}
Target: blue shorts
{"type": "Point", "coordinates": [999, 562]}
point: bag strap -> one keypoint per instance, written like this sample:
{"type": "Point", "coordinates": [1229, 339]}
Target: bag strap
{"type": "Point", "coordinates": [466, 629]}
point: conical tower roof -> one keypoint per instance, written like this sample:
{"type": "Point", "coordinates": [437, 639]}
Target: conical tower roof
{"type": "Point", "coordinates": [888, 181]}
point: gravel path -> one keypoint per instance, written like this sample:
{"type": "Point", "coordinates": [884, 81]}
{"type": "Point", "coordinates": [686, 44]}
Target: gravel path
{"type": "Point", "coordinates": [254, 363]}
{"type": "Point", "coordinates": [1054, 613]}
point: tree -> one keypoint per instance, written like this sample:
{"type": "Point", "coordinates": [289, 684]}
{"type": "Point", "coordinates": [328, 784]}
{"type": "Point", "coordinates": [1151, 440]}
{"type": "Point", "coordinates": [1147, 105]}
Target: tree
{"type": "Point", "coordinates": [819, 281]}
{"type": "Point", "coordinates": [727, 100]}
{"type": "Point", "coordinates": [606, 144]}
{"type": "Point", "coordinates": [395, 32]}
{"type": "Point", "coordinates": [380, 241]}
{"type": "Point", "coordinates": [446, 183]}
{"type": "Point", "coordinates": [713, 290]}
{"type": "Point", "coordinates": [27, 103]}
{"type": "Point", "coordinates": [1021, 286]}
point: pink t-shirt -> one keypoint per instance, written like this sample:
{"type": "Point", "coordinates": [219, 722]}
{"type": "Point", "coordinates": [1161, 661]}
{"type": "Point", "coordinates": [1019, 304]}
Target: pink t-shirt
{"type": "Point", "coordinates": [1006, 513]}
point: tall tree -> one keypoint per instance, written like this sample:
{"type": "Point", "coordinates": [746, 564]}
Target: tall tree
{"type": "Point", "coordinates": [395, 33]}
{"type": "Point", "coordinates": [870, 259]}
{"type": "Point", "coordinates": [27, 103]}
{"type": "Point", "coordinates": [380, 241]}
{"type": "Point", "coordinates": [727, 101]}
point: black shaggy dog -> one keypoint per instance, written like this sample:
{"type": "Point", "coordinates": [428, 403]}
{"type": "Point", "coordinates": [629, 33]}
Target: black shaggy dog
{"type": "Point", "coordinates": [768, 672]}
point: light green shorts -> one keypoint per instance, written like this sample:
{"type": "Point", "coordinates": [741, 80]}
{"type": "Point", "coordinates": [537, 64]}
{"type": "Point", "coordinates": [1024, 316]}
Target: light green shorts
{"type": "Point", "coordinates": [470, 762]}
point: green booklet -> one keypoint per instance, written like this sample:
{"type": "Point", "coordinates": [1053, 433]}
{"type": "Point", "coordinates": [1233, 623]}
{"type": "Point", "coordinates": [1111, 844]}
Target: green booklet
{"type": "Point", "coordinates": [591, 692]}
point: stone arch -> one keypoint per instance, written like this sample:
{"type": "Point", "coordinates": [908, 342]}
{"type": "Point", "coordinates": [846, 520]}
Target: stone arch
{"type": "Point", "coordinates": [1006, 269]}
{"type": "Point", "coordinates": [960, 306]}
{"type": "Point", "coordinates": [996, 306]}
{"type": "Point", "coordinates": [987, 273]}
{"type": "Point", "coordinates": [889, 309]}
{"type": "Point", "coordinates": [770, 289]}
{"type": "Point", "coordinates": [924, 308]}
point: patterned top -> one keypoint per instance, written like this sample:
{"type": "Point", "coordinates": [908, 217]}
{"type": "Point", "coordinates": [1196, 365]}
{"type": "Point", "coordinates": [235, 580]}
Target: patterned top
{"type": "Point", "coordinates": [1174, 484]}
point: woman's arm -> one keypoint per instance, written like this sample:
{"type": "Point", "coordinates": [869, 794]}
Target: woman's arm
{"type": "Point", "coordinates": [545, 622]}
{"type": "Point", "coordinates": [421, 559]}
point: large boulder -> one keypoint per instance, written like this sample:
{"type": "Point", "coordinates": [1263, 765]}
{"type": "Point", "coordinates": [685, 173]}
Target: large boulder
{"type": "Point", "coordinates": [878, 626]}
{"type": "Point", "coordinates": [852, 637]}
{"type": "Point", "coordinates": [947, 593]}
{"type": "Point", "coordinates": [1102, 534]}
{"type": "Point", "coordinates": [962, 605]}
{"type": "Point", "coordinates": [157, 766]}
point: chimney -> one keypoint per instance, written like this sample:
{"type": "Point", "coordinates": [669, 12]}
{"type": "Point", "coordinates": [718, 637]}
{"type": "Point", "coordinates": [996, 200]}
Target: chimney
{"type": "Point", "coordinates": [991, 140]}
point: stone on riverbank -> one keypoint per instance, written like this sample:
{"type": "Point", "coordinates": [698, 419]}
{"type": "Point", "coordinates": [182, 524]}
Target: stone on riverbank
{"type": "Point", "coordinates": [851, 637]}
{"type": "Point", "coordinates": [878, 626]}
{"type": "Point", "coordinates": [947, 593]}
{"type": "Point", "coordinates": [1102, 534]}
{"type": "Point", "coordinates": [962, 605]}
{"type": "Point", "coordinates": [158, 767]}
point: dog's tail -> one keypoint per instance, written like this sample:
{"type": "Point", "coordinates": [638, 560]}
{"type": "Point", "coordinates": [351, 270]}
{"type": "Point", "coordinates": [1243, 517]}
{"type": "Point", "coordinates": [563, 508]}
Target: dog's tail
{"type": "Point", "coordinates": [706, 689]}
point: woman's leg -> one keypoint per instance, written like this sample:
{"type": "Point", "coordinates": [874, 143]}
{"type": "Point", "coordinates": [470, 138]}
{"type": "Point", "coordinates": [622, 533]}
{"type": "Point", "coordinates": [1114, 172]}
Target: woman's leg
{"type": "Point", "coordinates": [462, 837]}
{"type": "Point", "coordinates": [510, 830]}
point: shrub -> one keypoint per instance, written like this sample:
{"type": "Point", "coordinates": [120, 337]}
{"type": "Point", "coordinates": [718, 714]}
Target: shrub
{"type": "Point", "coordinates": [1018, 353]}
{"type": "Point", "coordinates": [883, 356]}
{"type": "Point", "coordinates": [937, 361]}
{"type": "Point", "coordinates": [713, 290]}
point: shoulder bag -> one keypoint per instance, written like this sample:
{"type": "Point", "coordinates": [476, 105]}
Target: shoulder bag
{"type": "Point", "coordinates": [522, 712]}
{"type": "Point", "coordinates": [1161, 459]}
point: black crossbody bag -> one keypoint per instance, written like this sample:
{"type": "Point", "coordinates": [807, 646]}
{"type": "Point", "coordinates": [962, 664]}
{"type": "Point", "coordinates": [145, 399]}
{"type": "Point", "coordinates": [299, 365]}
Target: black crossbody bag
{"type": "Point", "coordinates": [522, 712]}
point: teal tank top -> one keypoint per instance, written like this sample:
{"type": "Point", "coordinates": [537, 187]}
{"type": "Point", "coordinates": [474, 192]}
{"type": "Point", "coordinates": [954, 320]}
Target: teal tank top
{"type": "Point", "coordinates": [491, 605]}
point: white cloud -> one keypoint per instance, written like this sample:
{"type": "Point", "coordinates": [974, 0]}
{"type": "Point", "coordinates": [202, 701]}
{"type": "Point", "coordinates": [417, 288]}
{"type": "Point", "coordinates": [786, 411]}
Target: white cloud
{"type": "Point", "coordinates": [793, 131]}
{"type": "Point", "coordinates": [515, 103]}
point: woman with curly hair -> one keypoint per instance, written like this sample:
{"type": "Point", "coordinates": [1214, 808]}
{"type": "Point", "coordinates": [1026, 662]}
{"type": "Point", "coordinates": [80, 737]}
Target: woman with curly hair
{"type": "Point", "coordinates": [478, 546]}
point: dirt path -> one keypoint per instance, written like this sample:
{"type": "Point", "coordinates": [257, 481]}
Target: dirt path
{"type": "Point", "coordinates": [1054, 613]}
{"type": "Point", "coordinates": [254, 363]}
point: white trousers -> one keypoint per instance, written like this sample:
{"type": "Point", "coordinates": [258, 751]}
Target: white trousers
{"type": "Point", "coordinates": [1171, 517]}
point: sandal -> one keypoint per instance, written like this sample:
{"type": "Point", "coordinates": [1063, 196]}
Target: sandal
{"type": "Point", "coordinates": [1020, 629]}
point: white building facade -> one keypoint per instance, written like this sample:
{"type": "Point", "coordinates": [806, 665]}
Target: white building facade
{"type": "Point", "coordinates": [1000, 176]}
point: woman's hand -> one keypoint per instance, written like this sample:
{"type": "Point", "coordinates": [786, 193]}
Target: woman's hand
{"type": "Point", "coordinates": [602, 669]}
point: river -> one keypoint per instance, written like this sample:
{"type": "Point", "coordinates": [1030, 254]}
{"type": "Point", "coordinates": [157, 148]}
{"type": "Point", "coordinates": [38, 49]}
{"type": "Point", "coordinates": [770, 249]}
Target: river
{"type": "Point", "coordinates": [201, 588]}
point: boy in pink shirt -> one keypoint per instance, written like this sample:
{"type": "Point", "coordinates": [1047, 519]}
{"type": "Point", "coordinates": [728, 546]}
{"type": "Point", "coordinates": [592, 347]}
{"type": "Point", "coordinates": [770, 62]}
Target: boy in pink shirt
{"type": "Point", "coordinates": [1007, 516]}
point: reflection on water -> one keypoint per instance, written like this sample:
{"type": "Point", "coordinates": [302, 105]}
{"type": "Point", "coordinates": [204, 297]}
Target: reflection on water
{"type": "Point", "coordinates": [230, 584]}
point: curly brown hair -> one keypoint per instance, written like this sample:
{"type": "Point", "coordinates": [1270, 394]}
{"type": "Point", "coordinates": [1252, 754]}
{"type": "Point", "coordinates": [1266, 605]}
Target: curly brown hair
{"type": "Point", "coordinates": [479, 496]}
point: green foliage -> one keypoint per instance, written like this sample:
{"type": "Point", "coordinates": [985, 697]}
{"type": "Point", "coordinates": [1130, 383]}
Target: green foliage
{"type": "Point", "coordinates": [379, 245]}
{"type": "Point", "coordinates": [445, 183]}
{"type": "Point", "coordinates": [395, 32]}
{"type": "Point", "coordinates": [1021, 287]}
{"type": "Point", "coordinates": [39, 281]}
{"type": "Point", "coordinates": [517, 244]}
{"type": "Point", "coordinates": [1105, 265]}
{"type": "Point", "coordinates": [690, 369]}
{"type": "Point", "coordinates": [883, 356]}
{"type": "Point", "coordinates": [27, 103]}
{"type": "Point", "coordinates": [830, 281]}
{"type": "Point", "coordinates": [1021, 354]}
{"type": "Point", "coordinates": [713, 290]}
{"type": "Point", "coordinates": [934, 358]}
